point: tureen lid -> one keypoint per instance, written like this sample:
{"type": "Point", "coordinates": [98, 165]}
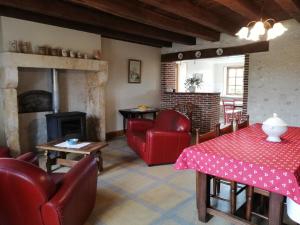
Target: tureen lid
{"type": "Point", "coordinates": [275, 121]}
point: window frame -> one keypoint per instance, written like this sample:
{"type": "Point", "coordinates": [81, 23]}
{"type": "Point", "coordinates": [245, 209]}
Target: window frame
{"type": "Point", "coordinates": [235, 78]}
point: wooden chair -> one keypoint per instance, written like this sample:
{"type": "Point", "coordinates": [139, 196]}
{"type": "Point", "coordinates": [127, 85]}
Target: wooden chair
{"type": "Point", "coordinates": [243, 124]}
{"type": "Point", "coordinates": [225, 130]}
{"type": "Point", "coordinates": [187, 109]}
{"type": "Point", "coordinates": [230, 111]}
{"type": "Point", "coordinates": [205, 137]}
{"type": "Point", "coordinates": [216, 181]}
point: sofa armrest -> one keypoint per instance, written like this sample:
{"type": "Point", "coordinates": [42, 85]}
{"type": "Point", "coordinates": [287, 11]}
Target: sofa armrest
{"type": "Point", "coordinates": [29, 157]}
{"type": "Point", "coordinates": [75, 199]}
{"type": "Point", "coordinates": [166, 145]}
{"type": "Point", "coordinates": [141, 125]}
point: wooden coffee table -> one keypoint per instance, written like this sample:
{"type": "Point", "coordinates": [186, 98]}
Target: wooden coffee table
{"type": "Point", "coordinates": [94, 148]}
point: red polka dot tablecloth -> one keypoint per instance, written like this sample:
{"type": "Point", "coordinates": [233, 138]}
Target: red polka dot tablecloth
{"type": "Point", "coordinates": [246, 157]}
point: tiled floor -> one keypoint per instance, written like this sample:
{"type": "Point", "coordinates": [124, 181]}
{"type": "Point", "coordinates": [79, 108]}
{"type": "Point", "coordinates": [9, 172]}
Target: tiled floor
{"type": "Point", "coordinates": [131, 193]}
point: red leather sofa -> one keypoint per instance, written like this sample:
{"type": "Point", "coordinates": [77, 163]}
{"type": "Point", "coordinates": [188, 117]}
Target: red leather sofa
{"type": "Point", "coordinates": [162, 140]}
{"type": "Point", "coordinates": [30, 196]}
{"type": "Point", "coordinates": [28, 157]}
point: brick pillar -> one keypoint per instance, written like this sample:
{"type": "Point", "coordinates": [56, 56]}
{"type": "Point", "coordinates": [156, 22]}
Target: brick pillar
{"type": "Point", "coordinates": [168, 76]}
{"type": "Point", "coordinates": [246, 81]}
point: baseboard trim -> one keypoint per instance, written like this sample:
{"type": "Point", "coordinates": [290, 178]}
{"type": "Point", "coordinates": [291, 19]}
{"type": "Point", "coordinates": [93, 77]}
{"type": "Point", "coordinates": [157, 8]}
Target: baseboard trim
{"type": "Point", "coordinates": [114, 134]}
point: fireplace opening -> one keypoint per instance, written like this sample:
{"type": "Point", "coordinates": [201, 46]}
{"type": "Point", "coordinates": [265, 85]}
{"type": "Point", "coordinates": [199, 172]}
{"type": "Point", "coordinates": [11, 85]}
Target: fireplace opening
{"type": "Point", "coordinates": [35, 101]}
{"type": "Point", "coordinates": [66, 125]}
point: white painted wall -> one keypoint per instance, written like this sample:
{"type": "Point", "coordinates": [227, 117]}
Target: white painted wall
{"type": "Point", "coordinates": [212, 70]}
{"type": "Point", "coordinates": [119, 93]}
{"type": "Point", "coordinates": [42, 34]}
{"type": "Point", "coordinates": [274, 76]}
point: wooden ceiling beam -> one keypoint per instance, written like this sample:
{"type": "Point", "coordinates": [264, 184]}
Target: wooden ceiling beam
{"type": "Point", "coordinates": [21, 14]}
{"type": "Point", "coordinates": [212, 52]}
{"type": "Point", "coordinates": [291, 7]}
{"type": "Point", "coordinates": [129, 10]}
{"type": "Point", "coordinates": [194, 13]}
{"type": "Point", "coordinates": [242, 7]}
{"type": "Point", "coordinates": [81, 15]}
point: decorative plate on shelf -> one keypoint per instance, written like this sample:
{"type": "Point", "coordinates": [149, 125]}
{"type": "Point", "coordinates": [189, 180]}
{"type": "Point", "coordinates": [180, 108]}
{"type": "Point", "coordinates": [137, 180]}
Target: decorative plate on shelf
{"type": "Point", "coordinates": [180, 55]}
{"type": "Point", "coordinates": [219, 51]}
{"type": "Point", "coordinates": [64, 52]}
{"type": "Point", "coordinates": [197, 54]}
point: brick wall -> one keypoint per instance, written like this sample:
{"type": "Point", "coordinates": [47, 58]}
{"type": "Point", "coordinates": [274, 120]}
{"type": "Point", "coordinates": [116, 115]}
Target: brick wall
{"type": "Point", "coordinates": [168, 76]}
{"type": "Point", "coordinates": [207, 111]}
{"type": "Point", "coordinates": [246, 81]}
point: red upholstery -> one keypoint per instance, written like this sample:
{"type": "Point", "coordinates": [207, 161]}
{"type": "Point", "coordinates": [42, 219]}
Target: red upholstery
{"type": "Point", "coordinates": [29, 196]}
{"type": "Point", "coordinates": [160, 141]}
{"type": "Point", "coordinates": [4, 152]}
{"type": "Point", "coordinates": [28, 157]}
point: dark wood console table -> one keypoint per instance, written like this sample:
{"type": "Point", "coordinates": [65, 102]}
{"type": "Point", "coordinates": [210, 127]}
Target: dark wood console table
{"type": "Point", "coordinates": [135, 113]}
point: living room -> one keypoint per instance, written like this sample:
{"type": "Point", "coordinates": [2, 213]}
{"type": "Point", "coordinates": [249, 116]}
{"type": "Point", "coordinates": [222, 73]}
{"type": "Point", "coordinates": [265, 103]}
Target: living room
{"type": "Point", "coordinates": [78, 74]}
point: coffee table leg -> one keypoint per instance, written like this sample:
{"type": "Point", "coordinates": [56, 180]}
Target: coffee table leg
{"type": "Point", "coordinates": [100, 161]}
{"type": "Point", "coordinates": [48, 161]}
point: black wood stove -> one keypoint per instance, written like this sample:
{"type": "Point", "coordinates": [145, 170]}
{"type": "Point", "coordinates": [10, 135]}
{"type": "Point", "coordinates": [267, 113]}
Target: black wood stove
{"type": "Point", "coordinates": [66, 125]}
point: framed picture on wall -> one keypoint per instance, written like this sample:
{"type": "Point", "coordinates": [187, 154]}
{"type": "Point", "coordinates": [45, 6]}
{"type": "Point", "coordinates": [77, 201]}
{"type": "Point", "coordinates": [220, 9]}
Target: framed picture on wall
{"type": "Point", "coordinates": [134, 71]}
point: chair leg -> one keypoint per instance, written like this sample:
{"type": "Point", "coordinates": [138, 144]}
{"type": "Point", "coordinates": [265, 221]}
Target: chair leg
{"type": "Point", "coordinates": [214, 186]}
{"type": "Point", "coordinates": [218, 186]}
{"type": "Point", "coordinates": [233, 190]}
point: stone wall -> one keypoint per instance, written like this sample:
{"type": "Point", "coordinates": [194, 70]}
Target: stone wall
{"type": "Point", "coordinates": [274, 78]}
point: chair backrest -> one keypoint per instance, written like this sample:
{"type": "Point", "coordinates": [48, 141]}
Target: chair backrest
{"type": "Point", "coordinates": [243, 124]}
{"type": "Point", "coordinates": [24, 188]}
{"type": "Point", "coordinates": [171, 120]}
{"type": "Point", "coordinates": [225, 130]}
{"type": "Point", "coordinates": [228, 104]}
{"type": "Point", "coordinates": [205, 137]}
{"type": "Point", "coordinates": [185, 108]}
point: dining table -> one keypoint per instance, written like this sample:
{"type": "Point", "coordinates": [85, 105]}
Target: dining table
{"type": "Point", "coordinates": [246, 157]}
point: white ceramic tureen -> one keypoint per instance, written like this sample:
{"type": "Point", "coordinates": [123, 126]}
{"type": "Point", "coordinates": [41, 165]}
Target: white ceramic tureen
{"type": "Point", "coordinates": [293, 210]}
{"type": "Point", "coordinates": [274, 127]}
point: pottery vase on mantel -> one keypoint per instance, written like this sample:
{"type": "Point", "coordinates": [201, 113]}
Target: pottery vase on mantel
{"type": "Point", "coordinates": [192, 89]}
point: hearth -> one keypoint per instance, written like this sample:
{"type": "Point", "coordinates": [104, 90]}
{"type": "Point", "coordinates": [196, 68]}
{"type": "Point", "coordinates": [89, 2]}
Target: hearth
{"type": "Point", "coordinates": [66, 125]}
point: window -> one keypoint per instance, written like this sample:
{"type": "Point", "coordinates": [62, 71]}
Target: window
{"type": "Point", "coordinates": [235, 81]}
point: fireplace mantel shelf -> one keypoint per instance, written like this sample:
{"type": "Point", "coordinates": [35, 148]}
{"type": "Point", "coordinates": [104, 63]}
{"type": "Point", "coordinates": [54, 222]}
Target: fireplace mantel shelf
{"type": "Point", "coordinates": [10, 59]}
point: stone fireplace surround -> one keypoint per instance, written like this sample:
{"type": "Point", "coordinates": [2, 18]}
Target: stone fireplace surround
{"type": "Point", "coordinates": [97, 75]}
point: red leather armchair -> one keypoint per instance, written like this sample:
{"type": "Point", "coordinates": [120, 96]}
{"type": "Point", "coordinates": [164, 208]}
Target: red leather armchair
{"type": "Point", "coordinates": [30, 196]}
{"type": "Point", "coordinates": [162, 140]}
{"type": "Point", "coordinates": [28, 157]}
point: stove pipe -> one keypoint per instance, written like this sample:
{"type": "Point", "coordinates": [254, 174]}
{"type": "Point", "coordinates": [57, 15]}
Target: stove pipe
{"type": "Point", "coordinates": [55, 91]}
